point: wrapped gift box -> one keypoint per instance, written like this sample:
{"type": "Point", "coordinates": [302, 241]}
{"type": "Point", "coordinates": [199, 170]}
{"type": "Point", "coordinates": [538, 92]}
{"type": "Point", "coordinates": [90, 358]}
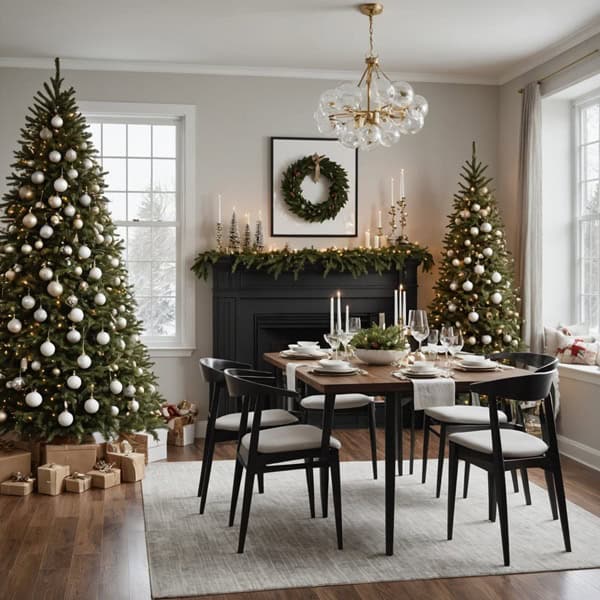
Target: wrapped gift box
{"type": "Point", "coordinates": [51, 478]}
{"type": "Point", "coordinates": [182, 431]}
{"type": "Point", "coordinates": [78, 483]}
{"type": "Point", "coordinates": [16, 488]}
{"type": "Point", "coordinates": [132, 465]}
{"type": "Point", "coordinates": [146, 444]}
{"type": "Point", "coordinates": [13, 461]}
{"type": "Point", "coordinates": [105, 479]}
{"type": "Point", "coordinates": [81, 458]}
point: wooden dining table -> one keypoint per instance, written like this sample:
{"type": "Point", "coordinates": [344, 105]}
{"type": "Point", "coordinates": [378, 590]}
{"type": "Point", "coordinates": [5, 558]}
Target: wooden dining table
{"type": "Point", "coordinates": [379, 380]}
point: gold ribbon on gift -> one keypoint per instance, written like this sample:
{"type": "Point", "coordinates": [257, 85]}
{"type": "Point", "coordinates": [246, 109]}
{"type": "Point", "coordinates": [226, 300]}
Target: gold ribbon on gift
{"type": "Point", "coordinates": [77, 475]}
{"type": "Point", "coordinates": [317, 159]}
{"type": "Point", "coordinates": [18, 476]}
{"type": "Point", "coordinates": [104, 467]}
{"type": "Point", "coordinates": [6, 445]}
{"type": "Point", "coordinates": [131, 439]}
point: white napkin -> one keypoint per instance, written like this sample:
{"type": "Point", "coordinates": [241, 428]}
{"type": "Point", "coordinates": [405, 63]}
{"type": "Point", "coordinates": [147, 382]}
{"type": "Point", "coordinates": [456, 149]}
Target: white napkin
{"type": "Point", "coordinates": [290, 374]}
{"type": "Point", "coordinates": [428, 393]}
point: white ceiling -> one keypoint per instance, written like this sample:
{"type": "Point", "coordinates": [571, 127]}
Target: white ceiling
{"type": "Point", "coordinates": [451, 40]}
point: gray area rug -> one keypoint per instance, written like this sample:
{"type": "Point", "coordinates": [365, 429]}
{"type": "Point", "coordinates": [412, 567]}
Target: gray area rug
{"type": "Point", "coordinates": [191, 554]}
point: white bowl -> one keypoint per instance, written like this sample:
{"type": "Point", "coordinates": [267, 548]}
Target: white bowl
{"type": "Point", "coordinates": [334, 364]}
{"type": "Point", "coordinates": [380, 357]}
{"type": "Point", "coordinates": [421, 366]}
{"type": "Point", "coordinates": [308, 344]}
{"type": "Point", "coordinates": [474, 360]}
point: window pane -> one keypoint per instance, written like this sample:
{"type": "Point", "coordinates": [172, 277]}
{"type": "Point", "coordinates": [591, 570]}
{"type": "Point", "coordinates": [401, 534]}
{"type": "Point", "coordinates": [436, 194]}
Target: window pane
{"type": "Point", "coordinates": [591, 161]}
{"type": "Point", "coordinates": [164, 206]}
{"type": "Point", "coordinates": [144, 313]}
{"type": "Point", "coordinates": [140, 206]}
{"type": "Point", "coordinates": [138, 141]}
{"type": "Point", "coordinates": [139, 174]}
{"type": "Point", "coordinates": [591, 123]}
{"type": "Point", "coordinates": [163, 243]}
{"type": "Point", "coordinates": [164, 175]}
{"type": "Point", "coordinates": [163, 316]}
{"type": "Point", "coordinates": [94, 129]}
{"type": "Point", "coordinates": [114, 139]}
{"type": "Point", "coordinates": [140, 277]}
{"type": "Point", "coordinates": [122, 235]}
{"type": "Point", "coordinates": [117, 206]}
{"type": "Point", "coordinates": [117, 174]}
{"type": "Point", "coordinates": [139, 243]}
{"type": "Point", "coordinates": [591, 199]}
{"type": "Point", "coordinates": [164, 279]}
{"type": "Point", "coordinates": [164, 141]}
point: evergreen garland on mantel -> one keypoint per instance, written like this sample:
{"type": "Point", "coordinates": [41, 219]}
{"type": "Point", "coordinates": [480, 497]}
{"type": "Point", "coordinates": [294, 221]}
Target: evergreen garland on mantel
{"type": "Point", "coordinates": [356, 261]}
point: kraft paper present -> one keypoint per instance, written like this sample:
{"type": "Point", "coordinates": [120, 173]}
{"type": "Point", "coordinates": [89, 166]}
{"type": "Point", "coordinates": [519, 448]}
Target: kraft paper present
{"type": "Point", "coordinates": [16, 488]}
{"type": "Point", "coordinates": [105, 479]}
{"type": "Point", "coordinates": [81, 458]}
{"type": "Point", "coordinates": [78, 483]}
{"type": "Point", "coordinates": [51, 478]}
{"type": "Point", "coordinates": [132, 465]}
{"type": "Point", "coordinates": [13, 461]}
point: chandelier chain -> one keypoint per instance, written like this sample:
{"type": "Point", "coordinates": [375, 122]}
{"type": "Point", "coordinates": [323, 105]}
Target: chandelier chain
{"type": "Point", "coordinates": [371, 35]}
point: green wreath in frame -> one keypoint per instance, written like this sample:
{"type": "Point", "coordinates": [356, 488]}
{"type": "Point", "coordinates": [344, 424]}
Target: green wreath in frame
{"type": "Point", "coordinates": [315, 166]}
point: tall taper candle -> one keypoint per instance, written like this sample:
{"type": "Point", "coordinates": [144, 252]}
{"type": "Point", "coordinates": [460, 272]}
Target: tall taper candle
{"type": "Point", "coordinates": [331, 316]}
{"type": "Point", "coordinates": [402, 189]}
{"type": "Point", "coordinates": [395, 307]}
{"type": "Point", "coordinates": [367, 239]}
{"type": "Point", "coordinates": [392, 192]}
{"type": "Point", "coordinates": [379, 219]}
{"type": "Point", "coordinates": [339, 310]}
{"type": "Point", "coordinates": [219, 211]}
{"type": "Point", "coordinates": [347, 318]}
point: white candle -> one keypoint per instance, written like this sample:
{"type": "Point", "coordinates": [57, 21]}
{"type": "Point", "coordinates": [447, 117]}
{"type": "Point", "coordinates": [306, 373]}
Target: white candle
{"type": "Point", "coordinates": [403, 304]}
{"type": "Point", "coordinates": [347, 318]}
{"type": "Point", "coordinates": [379, 220]}
{"type": "Point", "coordinates": [260, 215]}
{"type": "Point", "coordinates": [402, 190]}
{"type": "Point", "coordinates": [339, 310]}
{"type": "Point", "coordinates": [392, 192]}
{"type": "Point", "coordinates": [395, 307]}
{"type": "Point", "coordinates": [367, 239]}
{"type": "Point", "coordinates": [331, 315]}
{"type": "Point", "coordinates": [377, 241]}
{"type": "Point", "coordinates": [247, 218]}
{"type": "Point", "coordinates": [220, 206]}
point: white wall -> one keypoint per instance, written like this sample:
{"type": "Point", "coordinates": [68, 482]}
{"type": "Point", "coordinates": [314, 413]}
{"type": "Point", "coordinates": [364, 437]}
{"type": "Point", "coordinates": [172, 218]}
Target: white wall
{"type": "Point", "coordinates": [235, 118]}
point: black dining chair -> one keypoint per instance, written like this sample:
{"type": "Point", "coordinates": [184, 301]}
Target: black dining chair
{"type": "Point", "coordinates": [506, 447]}
{"type": "Point", "coordinates": [225, 428]}
{"type": "Point", "coordinates": [280, 449]}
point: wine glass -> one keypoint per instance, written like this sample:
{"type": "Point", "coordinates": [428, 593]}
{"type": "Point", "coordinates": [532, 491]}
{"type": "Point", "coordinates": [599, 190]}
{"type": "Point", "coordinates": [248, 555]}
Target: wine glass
{"type": "Point", "coordinates": [446, 337]}
{"type": "Point", "coordinates": [457, 342]}
{"type": "Point", "coordinates": [354, 325]}
{"type": "Point", "coordinates": [333, 340]}
{"type": "Point", "coordinates": [433, 337]}
{"type": "Point", "coordinates": [418, 325]}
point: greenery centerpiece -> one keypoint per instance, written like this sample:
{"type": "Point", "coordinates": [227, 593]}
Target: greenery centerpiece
{"type": "Point", "coordinates": [380, 346]}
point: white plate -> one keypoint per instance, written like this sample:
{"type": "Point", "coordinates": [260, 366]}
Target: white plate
{"type": "Point", "coordinates": [430, 371]}
{"type": "Point", "coordinates": [306, 355]}
{"type": "Point", "coordinates": [423, 375]}
{"type": "Point", "coordinates": [322, 371]}
{"type": "Point", "coordinates": [481, 365]}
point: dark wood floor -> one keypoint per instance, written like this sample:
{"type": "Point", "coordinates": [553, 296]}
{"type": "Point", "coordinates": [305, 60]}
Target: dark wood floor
{"type": "Point", "coordinates": [92, 546]}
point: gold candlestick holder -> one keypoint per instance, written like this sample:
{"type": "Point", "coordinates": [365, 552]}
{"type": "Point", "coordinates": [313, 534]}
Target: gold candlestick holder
{"type": "Point", "coordinates": [380, 237]}
{"type": "Point", "coordinates": [402, 238]}
{"type": "Point", "coordinates": [393, 222]}
{"type": "Point", "coordinates": [219, 236]}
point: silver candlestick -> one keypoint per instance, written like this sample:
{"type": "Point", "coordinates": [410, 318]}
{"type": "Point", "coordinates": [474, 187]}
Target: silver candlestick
{"type": "Point", "coordinates": [219, 236]}
{"type": "Point", "coordinates": [403, 238]}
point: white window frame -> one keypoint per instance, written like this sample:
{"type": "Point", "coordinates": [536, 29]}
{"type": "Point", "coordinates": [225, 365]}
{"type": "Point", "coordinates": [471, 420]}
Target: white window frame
{"type": "Point", "coordinates": [184, 342]}
{"type": "Point", "coordinates": [579, 104]}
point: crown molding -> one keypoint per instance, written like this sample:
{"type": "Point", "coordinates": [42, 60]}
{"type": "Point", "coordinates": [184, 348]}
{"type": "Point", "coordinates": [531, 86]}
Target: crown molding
{"type": "Point", "coordinates": [227, 70]}
{"type": "Point", "coordinates": [550, 52]}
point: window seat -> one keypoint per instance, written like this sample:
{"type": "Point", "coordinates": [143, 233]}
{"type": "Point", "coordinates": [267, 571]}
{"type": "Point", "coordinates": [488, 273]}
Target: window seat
{"type": "Point", "coordinates": [587, 373]}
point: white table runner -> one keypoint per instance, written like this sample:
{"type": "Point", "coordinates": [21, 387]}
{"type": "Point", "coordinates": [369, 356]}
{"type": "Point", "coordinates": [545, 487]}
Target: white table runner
{"type": "Point", "coordinates": [428, 393]}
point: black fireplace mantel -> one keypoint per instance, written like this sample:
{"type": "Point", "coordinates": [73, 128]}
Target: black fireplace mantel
{"type": "Point", "coordinates": [254, 313]}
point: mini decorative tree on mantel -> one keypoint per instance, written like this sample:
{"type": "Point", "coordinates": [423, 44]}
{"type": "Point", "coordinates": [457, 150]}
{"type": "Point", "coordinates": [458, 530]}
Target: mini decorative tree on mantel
{"type": "Point", "coordinates": [72, 360]}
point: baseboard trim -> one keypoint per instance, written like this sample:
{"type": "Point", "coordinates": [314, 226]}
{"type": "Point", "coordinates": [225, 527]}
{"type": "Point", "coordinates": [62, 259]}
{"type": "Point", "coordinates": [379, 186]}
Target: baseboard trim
{"type": "Point", "coordinates": [586, 455]}
{"type": "Point", "coordinates": [201, 429]}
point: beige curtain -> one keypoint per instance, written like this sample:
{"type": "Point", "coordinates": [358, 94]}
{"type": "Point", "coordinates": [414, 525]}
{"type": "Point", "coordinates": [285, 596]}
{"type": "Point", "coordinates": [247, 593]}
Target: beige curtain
{"type": "Point", "coordinates": [530, 196]}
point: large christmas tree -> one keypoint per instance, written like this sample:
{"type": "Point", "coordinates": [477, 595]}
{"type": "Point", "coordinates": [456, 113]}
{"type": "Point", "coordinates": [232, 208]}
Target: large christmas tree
{"type": "Point", "coordinates": [475, 288]}
{"type": "Point", "coordinates": [72, 361]}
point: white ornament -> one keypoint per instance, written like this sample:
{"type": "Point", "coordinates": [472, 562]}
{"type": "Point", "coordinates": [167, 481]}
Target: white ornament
{"type": "Point", "coordinates": [69, 210]}
{"type": "Point", "coordinates": [95, 273]}
{"type": "Point", "coordinates": [100, 299]}
{"type": "Point", "coordinates": [85, 200]}
{"type": "Point", "coordinates": [484, 212]}
{"type": "Point", "coordinates": [84, 361]}
{"type": "Point", "coordinates": [465, 214]}
{"type": "Point", "coordinates": [496, 297]}
{"type": "Point", "coordinates": [496, 277]}
{"type": "Point", "coordinates": [45, 134]}
{"type": "Point", "coordinates": [33, 399]}
{"type": "Point", "coordinates": [55, 201]}
{"type": "Point", "coordinates": [108, 238]}
{"type": "Point", "coordinates": [455, 262]}
{"type": "Point", "coordinates": [36, 365]}
{"type": "Point", "coordinates": [74, 381]}
{"type": "Point", "coordinates": [114, 411]}
{"type": "Point", "coordinates": [55, 289]}
{"type": "Point", "coordinates": [56, 122]}
{"type": "Point", "coordinates": [26, 249]}
{"type": "Point", "coordinates": [46, 231]}
{"type": "Point", "coordinates": [84, 252]}
{"type": "Point", "coordinates": [473, 316]}
{"type": "Point", "coordinates": [10, 275]}
{"type": "Point", "coordinates": [95, 188]}
{"type": "Point", "coordinates": [453, 286]}
{"type": "Point", "coordinates": [474, 231]}
{"type": "Point", "coordinates": [73, 336]}
{"type": "Point", "coordinates": [30, 220]}
{"type": "Point", "coordinates": [54, 156]}
{"type": "Point", "coordinates": [54, 220]}
{"type": "Point", "coordinates": [130, 391]}
{"type": "Point", "coordinates": [498, 233]}
{"type": "Point", "coordinates": [75, 315]}
{"type": "Point", "coordinates": [65, 419]}
{"type": "Point", "coordinates": [450, 253]}
{"type": "Point", "coordinates": [40, 315]}
{"type": "Point", "coordinates": [467, 243]}
{"type": "Point", "coordinates": [151, 388]}
{"type": "Point", "coordinates": [457, 221]}
{"type": "Point", "coordinates": [91, 405]}
{"type": "Point", "coordinates": [37, 177]}
{"type": "Point", "coordinates": [14, 325]}
{"type": "Point", "coordinates": [28, 302]}
{"type": "Point", "coordinates": [70, 155]}
{"type": "Point", "coordinates": [77, 223]}
{"type": "Point", "coordinates": [475, 207]}
{"type": "Point", "coordinates": [46, 274]}
{"type": "Point", "coordinates": [72, 173]}
{"type": "Point", "coordinates": [87, 163]}
{"type": "Point", "coordinates": [61, 185]}
{"type": "Point", "coordinates": [133, 405]}
{"type": "Point", "coordinates": [38, 244]}
{"type": "Point", "coordinates": [479, 269]}
{"type": "Point", "coordinates": [72, 300]}
{"type": "Point", "coordinates": [486, 339]}
{"type": "Point", "coordinates": [83, 146]}
{"type": "Point", "coordinates": [103, 338]}
{"type": "Point", "coordinates": [488, 252]}
{"type": "Point", "coordinates": [471, 341]}
{"type": "Point", "coordinates": [116, 281]}
{"type": "Point", "coordinates": [99, 227]}
{"type": "Point", "coordinates": [114, 262]}
{"type": "Point", "coordinates": [3, 415]}
{"type": "Point", "coordinates": [47, 348]}
{"type": "Point", "coordinates": [452, 307]}
{"type": "Point", "coordinates": [486, 227]}
{"type": "Point", "coordinates": [507, 338]}
{"type": "Point", "coordinates": [467, 286]}
{"type": "Point", "coordinates": [116, 387]}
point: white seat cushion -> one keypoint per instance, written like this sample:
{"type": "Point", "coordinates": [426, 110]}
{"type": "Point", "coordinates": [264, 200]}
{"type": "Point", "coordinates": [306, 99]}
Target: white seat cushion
{"type": "Point", "coordinates": [273, 417]}
{"type": "Point", "coordinates": [288, 439]}
{"type": "Point", "coordinates": [515, 444]}
{"type": "Point", "coordinates": [469, 415]}
{"type": "Point", "coordinates": [342, 401]}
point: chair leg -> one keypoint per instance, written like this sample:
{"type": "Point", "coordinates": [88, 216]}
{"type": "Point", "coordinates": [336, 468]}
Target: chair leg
{"type": "Point", "coordinates": [440, 465]}
{"type": "Point", "coordinates": [373, 435]}
{"type": "Point", "coordinates": [425, 447]}
{"type": "Point", "coordinates": [261, 482]}
{"type": "Point", "coordinates": [466, 479]}
{"type": "Point", "coordinates": [310, 484]}
{"type": "Point", "coordinates": [400, 438]}
{"type": "Point", "coordinates": [337, 501]}
{"type": "Point", "coordinates": [551, 493]}
{"type": "Point", "coordinates": [525, 482]}
{"type": "Point", "coordinates": [324, 489]}
{"type": "Point", "coordinates": [207, 440]}
{"type": "Point", "coordinates": [452, 477]}
{"type": "Point", "coordinates": [237, 479]}
{"type": "Point", "coordinates": [412, 438]}
{"type": "Point", "coordinates": [491, 497]}
{"type": "Point", "coordinates": [562, 506]}
{"type": "Point", "coordinates": [515, 481]}
{"type": "Point", "coordinates": [500, 492]}
{"type": "Point", "coordinates": [248, 485]}
{"type": "Point", "coordinates": [206, 480]}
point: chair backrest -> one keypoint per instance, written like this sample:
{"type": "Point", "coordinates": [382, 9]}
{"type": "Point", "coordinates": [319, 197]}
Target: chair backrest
{"type": "Point", "coordinates": [538, 363]}
{"type": "Point", "coordinates": [212, 368]}
{"type": "Point", "coordinates": [525, 388]}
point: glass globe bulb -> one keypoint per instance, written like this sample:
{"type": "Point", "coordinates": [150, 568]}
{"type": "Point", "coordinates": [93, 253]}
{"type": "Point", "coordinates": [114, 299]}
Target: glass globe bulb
{"type": "Point", "coordinates": [419, 106]}
{"type": "Point", "coordinates": [323, 123]}
{"type": "Point", "coordinates": [349, 96]}
{"type": "Point", "coordinates": [412, 124]}
{"type": "Point", "coordinates": [403, 94]}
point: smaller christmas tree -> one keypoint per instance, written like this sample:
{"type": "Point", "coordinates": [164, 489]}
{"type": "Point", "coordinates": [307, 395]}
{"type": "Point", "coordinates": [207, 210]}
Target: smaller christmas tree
{"type": "Point", "coordinates": [475, 289]}
{"type": "Point", "coordinates": [247, 242]}
{"type": "Point", "coordinates": [234, 234]}
{"type": "Point", "coordinates": [259, 240]}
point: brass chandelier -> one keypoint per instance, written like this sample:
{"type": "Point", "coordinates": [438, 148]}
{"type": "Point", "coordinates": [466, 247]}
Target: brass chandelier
{"type": "Point", "coordinates": [376, 111]}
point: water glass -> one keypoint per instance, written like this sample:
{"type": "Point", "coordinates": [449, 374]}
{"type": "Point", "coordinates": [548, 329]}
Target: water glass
{"type": "Point", "coordinates": [333, 340]}
{"type": "Point", "coordinates": [418, 325]}
{"type": "Point", "coordinates": [433, 337]}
